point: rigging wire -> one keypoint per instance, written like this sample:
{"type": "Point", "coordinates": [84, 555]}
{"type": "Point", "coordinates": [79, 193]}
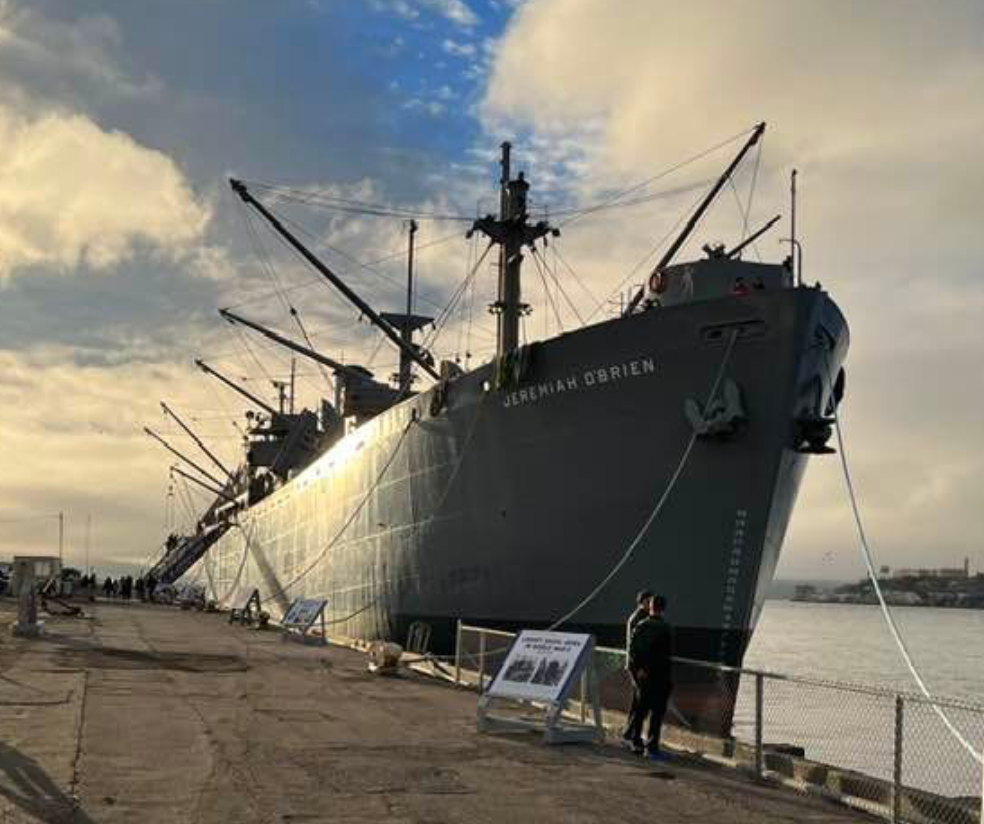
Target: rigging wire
{"type": "Point", "coordinates": [440, 322]}
{"type": "Point", "coordinates": [625, 192]}
{"type": "Point", "coordinates": [354, 206]}
{"type": "Point", "coordinates": [577, 278]}
{"type": "Point", "coordinates": [641, 263]}
{"type": "Point", "coordinates": [546, 292]}
{"type": "Point", "coordinates": [560, 286]}
{"type": "Point", "coordinates": [367, 264]}
{"type": "Point", "coordinates": [314, 238]}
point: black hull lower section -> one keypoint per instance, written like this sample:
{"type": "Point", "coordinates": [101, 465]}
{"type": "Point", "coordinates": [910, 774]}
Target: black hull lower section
{"type": "Point", "coordinates": [506, 508]}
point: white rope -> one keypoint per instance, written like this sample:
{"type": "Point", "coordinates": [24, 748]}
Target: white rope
{"type": "Point", "coordinates": [659, 504]}
{"type": "Point", "coordinates": [889, 618]}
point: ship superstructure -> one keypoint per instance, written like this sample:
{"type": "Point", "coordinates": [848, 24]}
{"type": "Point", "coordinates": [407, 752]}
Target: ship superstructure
{"type": "Point", "coordinates": [666, 444]}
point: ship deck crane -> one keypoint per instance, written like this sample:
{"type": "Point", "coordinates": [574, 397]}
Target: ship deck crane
{"type": "Point", "coordinates": [198, 442]}
{"type": "Point", "coordinates": [705, 204]}
{"type": "Point", "coordinates": [208, 370]}
{"type": "Point", "coordinates": [421, 356]}
{"type": "Point", "coordinates": [349, 371]}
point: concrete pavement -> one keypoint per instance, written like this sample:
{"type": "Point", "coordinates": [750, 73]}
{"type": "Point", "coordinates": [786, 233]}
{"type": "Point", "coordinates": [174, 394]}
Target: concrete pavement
{"type": "Point", "coordinates": [148, 714]}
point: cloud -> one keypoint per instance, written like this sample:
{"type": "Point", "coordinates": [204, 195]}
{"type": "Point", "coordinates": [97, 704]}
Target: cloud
{"type": "Point", "coordinates": [432, 107]}
{"type": "Point", "coordinates": [456, 11]}
{"type": "Point", "coordinates": [459, 49]}
{"type": "Point", "coordinates": [400, 8]}
{"type": "Point", "coordinates": [878, 106]}
{"type": "Point", "coordinates": [88, 452]}
{"type": "Point", "coordinates": [73, 194]}
{"type": "Point", "coordinates": [42, 52]}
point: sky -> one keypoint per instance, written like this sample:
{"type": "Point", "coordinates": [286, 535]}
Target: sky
{"type": "Point", "coordinates": [121, 122]}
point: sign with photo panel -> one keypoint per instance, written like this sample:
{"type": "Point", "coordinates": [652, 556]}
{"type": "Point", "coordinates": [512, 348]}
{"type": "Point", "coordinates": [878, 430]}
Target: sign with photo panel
{"type": "Point", "coordinates": [539, 666]}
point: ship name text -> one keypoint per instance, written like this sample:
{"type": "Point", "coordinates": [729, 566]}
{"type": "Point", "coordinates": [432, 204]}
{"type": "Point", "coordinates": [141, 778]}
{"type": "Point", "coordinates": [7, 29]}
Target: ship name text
{"type": "Point", "coordinates": [599, 376]}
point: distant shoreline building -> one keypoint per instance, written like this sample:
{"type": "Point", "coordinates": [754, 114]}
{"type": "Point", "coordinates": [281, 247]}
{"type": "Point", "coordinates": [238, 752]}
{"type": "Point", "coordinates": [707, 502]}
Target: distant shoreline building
{"type": "Point", "coordinates": [943, 572]}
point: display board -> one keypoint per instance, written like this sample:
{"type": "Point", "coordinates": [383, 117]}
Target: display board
{"type": "Point", "coordinates": [249, 609]}
{"type": "Point", "coordinates": [541, 671]}
{"type": "Point", "coordinates": [539, 666]}
{"type": "Point", "coordinates": [303, 613]}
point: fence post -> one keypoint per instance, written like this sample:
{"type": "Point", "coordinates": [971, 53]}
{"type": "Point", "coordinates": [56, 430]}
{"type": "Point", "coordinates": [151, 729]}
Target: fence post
{"type": "Point", "coordinates": [457, 653]}
{"type": "Point", "coordinates": [897, 773]}
{"type": "Point", "coordinates": [584, 694]}
{"type": "Point", "coordinates": [982, 786]}
{"type": "Point", "coordinates": [759, 716]}
{"type": "Point", "coordinates": [481, 660]}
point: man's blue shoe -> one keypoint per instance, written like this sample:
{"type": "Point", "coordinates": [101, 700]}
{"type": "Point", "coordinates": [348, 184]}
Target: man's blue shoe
{"type": "Point", "coordinates": [656, 755]}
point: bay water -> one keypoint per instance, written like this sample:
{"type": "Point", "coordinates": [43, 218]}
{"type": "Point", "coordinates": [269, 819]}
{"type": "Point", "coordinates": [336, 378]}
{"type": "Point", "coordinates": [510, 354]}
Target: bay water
{"type": "Point", "coordinates": [852, 643]}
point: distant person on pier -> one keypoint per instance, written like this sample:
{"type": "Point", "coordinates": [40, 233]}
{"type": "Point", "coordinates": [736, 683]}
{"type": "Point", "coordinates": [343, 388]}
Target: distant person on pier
{"type": "Point", "coordinates": [639, 614]}
{"type": "Point", "coordinates": [126, 587]}
{"type": "Point", "coordinates": [650, 664]}
{"type": "Point", "coordinates": [150, 583]}
{"type": "Point", "coordinates": [140, 588]}
{"type": "Point", "coordinates": [108, 587]}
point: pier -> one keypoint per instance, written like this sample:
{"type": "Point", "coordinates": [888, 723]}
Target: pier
{"type": "Point", "coordinates": [145, 713]}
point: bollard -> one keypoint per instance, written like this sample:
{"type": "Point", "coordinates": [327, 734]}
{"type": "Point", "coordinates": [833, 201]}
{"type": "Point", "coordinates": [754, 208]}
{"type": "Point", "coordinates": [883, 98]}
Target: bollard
{"type": "Point", "coordinates": [27, 625]}
{"type": "Point", "coordinates": [759, 705]}
{"type": "Point", "coordinates": [897, 772]}
{"type": "Point", "coordinates": [457, 653]}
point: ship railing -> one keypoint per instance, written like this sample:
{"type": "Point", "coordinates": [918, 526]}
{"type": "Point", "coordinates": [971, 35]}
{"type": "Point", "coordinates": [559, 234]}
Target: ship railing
{"type": "Point", "coordinates": [887, 752]}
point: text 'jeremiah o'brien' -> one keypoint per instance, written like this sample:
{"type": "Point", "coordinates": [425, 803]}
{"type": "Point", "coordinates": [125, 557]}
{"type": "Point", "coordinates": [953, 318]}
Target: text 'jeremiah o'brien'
{"type": "Point", "coordinates": [573, 383]}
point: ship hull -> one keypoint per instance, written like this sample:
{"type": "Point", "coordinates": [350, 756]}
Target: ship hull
{"type": "Point", "coordinates": [508, 507]}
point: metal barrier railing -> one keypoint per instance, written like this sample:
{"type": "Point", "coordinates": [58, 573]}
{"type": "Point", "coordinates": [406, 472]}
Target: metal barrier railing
{"type": "Point", "coordinates": [884, 751]}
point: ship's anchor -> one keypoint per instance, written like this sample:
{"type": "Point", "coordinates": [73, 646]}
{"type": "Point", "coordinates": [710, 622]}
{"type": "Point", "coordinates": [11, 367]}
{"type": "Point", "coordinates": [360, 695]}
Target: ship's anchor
{"type": "Point", "coordinates": [722, 418]}
{"type": "Point", "coordinates": [812, 433]}
{"type": "Point", "coordinates": [814, 430]}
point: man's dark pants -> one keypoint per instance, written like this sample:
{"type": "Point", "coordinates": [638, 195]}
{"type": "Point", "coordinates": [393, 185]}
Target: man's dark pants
{"type": "Point", "coordinates": [649, 699]}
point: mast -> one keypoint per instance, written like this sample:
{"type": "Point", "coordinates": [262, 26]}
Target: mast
{"type": "Point", "coordinates": [511, 231]}
{"type": "Point", "coordinates": [208, 370]}
{"type": "Point", "coordinates": [697, 215]}
{"type": "Point", "coordinates": [170, 412]}
{"type": "Point", "coordinates": [407, 331]}
{"type": "Point", "coordinates": [422, 358]}
{"type": "Point", "coordinates": [349, 371]}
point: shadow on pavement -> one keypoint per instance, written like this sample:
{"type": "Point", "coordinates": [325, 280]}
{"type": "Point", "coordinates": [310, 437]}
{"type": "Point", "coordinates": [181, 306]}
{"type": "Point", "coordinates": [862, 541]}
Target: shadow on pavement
{"type": "Point", "coordinates": [26, 784]}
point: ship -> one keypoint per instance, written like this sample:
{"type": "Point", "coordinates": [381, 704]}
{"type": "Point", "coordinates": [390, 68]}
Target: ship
{"type": "Point", "coordinates": [662, 448]}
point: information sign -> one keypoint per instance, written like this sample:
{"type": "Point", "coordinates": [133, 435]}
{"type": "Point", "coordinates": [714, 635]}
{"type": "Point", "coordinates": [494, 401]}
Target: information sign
{"type": "Point", "coordinates": [303, 612]}
{"type": "Point", "coordinates": [301, 617]}
{"type": "Point", "coordinates": [539, 666]}
{"type": "Point", "coordinates": [542, 669]}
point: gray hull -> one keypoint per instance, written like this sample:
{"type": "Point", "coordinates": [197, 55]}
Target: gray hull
{"type": "Point", "coordinates": [507, 508]}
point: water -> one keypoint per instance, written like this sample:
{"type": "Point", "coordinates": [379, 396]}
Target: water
{"type": "Point", "coordinates": [841, 642]}
{"type": "Point", "coordinates": [848, 642]}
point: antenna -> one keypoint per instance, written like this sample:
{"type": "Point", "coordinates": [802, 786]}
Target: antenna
{"type": "Point", "coordinates": [797, 264]}
{"type": "Point", "coordinates": [293, 382]}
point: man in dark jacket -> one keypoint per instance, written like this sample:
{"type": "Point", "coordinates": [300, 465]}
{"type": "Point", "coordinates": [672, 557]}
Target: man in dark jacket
{"type": "Point", "coordinates": [639, 614]}
{"type": "Point", "coordinates": [650, 664]}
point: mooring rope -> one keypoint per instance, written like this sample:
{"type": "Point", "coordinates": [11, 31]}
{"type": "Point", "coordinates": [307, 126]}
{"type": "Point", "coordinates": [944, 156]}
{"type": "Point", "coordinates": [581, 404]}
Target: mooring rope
{"type": "Point", "coordinates": [660, 503]}
{"type": "Point", "coordinates": [869, 563]}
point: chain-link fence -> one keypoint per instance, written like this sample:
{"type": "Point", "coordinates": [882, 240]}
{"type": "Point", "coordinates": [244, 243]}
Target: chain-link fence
{"type": "Point", "coordinates": [888, 753]}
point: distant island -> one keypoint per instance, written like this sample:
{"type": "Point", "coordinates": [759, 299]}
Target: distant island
{"type": "Point", "coordinates": [947, 587]}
